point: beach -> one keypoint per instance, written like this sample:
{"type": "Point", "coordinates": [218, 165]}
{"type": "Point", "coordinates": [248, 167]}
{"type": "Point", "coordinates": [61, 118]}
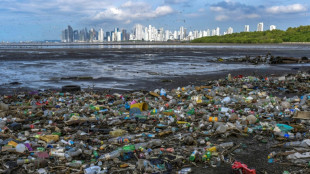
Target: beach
{"type": "Point", "coordinates": [184, 87]}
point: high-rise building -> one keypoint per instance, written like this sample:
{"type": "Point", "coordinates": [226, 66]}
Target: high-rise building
{"type": "Point", "coordinates": [101, 35]}
{"type": "Point", "coordinates": [272, 27]}
{"type": "Point", "coordinates": [93, 35]}
{"type": "Point", "coordinates": [64, 35]}
{"type": "Point", "coordinates": [76, 36]}
{"type": "Point", "coordinates": [230, 30]}
{"type": "Point", "coordinates": [213, 33]}
{"type": "Point", "coordinates": [182, 33]}
{"type": "Point", "coordinates": [247, 28]}
{"type": "Point", "coordinates": [125, 35]}
{"type": "Point", "coordinates": [138, 32]}
{"type": "Point", "coordinates": [107, 34]}
{"type": "Point", "coordinates": [70, 34]}
{"type": "Point", "coordinates": [217, 31]}
{"type": "Point", "coordinates": [260, 26]}
{"type": "Point", "coordinates": [208, 32]}
{"type": "Point", "coordinates": [119, 36]}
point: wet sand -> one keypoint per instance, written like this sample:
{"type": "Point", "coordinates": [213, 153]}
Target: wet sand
{"type": "Point", "coordinates": [150, 59]}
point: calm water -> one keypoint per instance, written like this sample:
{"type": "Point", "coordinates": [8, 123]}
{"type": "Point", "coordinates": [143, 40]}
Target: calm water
{"type": "Point", "coordinates": [117, 66]}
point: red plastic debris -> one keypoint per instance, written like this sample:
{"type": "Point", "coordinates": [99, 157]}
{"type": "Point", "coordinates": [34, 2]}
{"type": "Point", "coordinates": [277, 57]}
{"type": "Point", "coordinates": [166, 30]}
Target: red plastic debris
{"type": "Point", "coordinates": [239, 168]}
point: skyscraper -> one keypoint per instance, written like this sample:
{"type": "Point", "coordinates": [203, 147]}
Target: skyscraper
{"type": "Point", "coordinates": [182, 33]}
{"type": "Point", "coordinates": [64, 35]}
{"type": "Point", "coordinates": [101, 35]}
{"type": "Point", "coordinates": [217, 31]}
{"type": "Point", "coordinates": [247, 28]}
{"type": "Point", "coordinates": [124, 35]}
{"type": "Point", "coordinates": [230, 30]}
{"type": "Point", "coordinates": [70, 34]}
{"type": "Point", "coordinates": [272, 27]}
{"type": "Point", "coordinates": [138, 32]}
{"type": "Point", "coordinates": [76, 36]}
{"type": "Point", "coordinates": [260, 26]}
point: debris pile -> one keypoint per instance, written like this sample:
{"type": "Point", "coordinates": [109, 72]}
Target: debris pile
{"type": "Point", "coordinates": [161, 131]}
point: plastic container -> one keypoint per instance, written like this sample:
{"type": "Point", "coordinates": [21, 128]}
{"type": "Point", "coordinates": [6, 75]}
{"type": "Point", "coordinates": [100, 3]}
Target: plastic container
{"type": "Point", "coordinates": [21, 148]}
{"type": "Point", "coordinates": [193, 156]}
{"type": "Point", "coordinates": [111, 155]}
{"type": "Point", "coordinates": [185, 171]}
{"type": "Point", "coordinates": [213, 119]}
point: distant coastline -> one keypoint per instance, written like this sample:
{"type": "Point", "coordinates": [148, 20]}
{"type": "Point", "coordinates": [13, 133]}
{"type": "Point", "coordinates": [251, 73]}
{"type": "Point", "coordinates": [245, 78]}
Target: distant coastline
{"type": "Point", "coordinates": [291, 35]}
{"type": "Point", "coordinates": [141, 43]}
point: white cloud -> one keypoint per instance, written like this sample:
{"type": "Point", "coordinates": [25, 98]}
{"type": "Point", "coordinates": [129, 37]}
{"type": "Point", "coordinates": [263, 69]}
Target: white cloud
{"type": "Point", "coordinates": [129, 12]}
{"type": "Point", "coordinates": [294, 8]}
{"type": "Point", "coordinates": [175, 1]}
{"type": "Point", "coordinates": [216, 9]}
{"type": "Point", "coordinates": [221, 18]}
{"type": "Point", "coordinates": [200, 12]}
{"type": "Point", "coordinates": [248, 16]}
{"type": "Point", "coordinates": [92, 10]}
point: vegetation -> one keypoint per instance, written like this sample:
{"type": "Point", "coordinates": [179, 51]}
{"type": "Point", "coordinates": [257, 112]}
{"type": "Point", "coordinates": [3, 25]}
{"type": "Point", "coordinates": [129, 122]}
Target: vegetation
{"type": "Point", "coordinates": [299, 34]}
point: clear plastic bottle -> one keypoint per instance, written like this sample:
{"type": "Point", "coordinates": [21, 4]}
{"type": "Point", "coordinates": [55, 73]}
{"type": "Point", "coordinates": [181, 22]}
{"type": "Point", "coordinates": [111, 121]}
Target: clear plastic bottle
{"type": "Point", "coordinates": [185, 171]}
{"type": "Point", "coordinates": [111, 155]}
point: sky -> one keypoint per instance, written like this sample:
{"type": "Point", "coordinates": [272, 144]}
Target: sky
{"type": "Point", "coordinates": [35, 20]}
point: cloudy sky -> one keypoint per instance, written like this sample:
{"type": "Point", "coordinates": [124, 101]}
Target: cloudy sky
{"type": "Point", "coordinates": [25, 20]}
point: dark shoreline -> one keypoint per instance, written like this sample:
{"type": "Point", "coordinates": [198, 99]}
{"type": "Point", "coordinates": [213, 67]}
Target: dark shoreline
{"type": "Point", "coordinates": [175, 82]}
{"type": "Point", "coordinates": [144, 43]}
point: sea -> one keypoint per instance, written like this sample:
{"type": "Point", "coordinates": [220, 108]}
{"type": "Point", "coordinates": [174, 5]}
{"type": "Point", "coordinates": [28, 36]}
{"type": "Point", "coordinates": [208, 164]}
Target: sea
{"type": "Point", "coordinates": [118, 66]}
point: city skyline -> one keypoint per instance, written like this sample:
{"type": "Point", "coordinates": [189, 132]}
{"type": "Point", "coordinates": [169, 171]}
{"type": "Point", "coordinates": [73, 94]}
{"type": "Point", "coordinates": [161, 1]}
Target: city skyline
{"type": "Point", "coordinates": [33, 20]}
{"type": "Point", "coordinates": [147, 33]}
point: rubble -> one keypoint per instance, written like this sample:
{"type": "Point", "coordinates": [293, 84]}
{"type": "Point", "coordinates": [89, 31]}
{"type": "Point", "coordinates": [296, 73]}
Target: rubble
{"type": "Point", "coordinates": [159, 131]}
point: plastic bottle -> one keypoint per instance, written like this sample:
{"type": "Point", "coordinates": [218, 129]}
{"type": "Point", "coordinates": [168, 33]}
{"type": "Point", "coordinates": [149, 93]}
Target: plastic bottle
{"type": "Point", "coordinates": [75, 164]}
{"type": "Point", "coordinates": [95, 153]}
{"type": "Point", "coordinates": [93, 170]}
{"type": "Point", "coordinates": [185, 171]}
{"type": "Point", "coordinates": [207, 156]}
{"type": "Point", "coordinates": [163, 92]}
{"type": "Point", "coordinates": [193, 155]}
{"type": "Point", "coordinates": [225, 145]}
{"type": "Point", "coordinates": [111, 155]}
{"type": "Point", "coordinates": [128, 148]}
{"type": "Point", "coordinates": [28, 126]}
{"type": "Point", "coordinates": [75, 153]}
{"type": "Point", "coordinates": [292, 144]}
{"type": "Point", "coordinates": [24, 161]}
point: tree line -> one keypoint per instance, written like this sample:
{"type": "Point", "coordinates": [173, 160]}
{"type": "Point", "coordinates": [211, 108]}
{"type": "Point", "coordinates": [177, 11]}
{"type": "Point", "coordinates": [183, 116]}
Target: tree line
{"type": "Point", "coordinates": [297, 34]}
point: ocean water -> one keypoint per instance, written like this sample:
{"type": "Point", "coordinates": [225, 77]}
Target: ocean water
{"type": "Point", "coordinates": [118, 66]}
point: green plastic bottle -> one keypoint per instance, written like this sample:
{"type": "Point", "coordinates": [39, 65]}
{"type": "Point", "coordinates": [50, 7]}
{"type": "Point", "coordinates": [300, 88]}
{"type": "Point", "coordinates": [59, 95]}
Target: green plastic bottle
{"type": "Point", "coordinates": [191, 112]}
{"type": "Point", "coordinates": [129, 148]}
{"type": "Point", "coordinates": [95, 153]}
{"type": "Point", "coordinates": [193, 156]}
{"type": "Point", "coordinates": [209, 155]}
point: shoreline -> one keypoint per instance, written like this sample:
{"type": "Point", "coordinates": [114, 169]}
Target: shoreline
{"type": "Point", "coordinates": [170, 83]}
{"type": "Point", "coordinates": [145, 43]}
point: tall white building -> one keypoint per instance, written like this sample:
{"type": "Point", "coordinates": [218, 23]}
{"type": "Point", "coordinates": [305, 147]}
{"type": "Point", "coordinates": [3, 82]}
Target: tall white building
{"type": "Point", "coordinates": [217, 31]}
{"type": "Point", "coordinates": [167, 35]}
{"type": "Point", "coordinates": [272, 27]}
{"type": "Point", "coordinates": [247, 28]}
{"type": "Point", "coordinates": [138, 32]}
{"type": "Point", "coordinates": [101, 35]}
{"type": "Point", "coordinates": [230, 30]}
{"type": "Point", "coordinates": [118, 36]}
{"type": "Point", "coordinates": [208, 32]}
{"type": "Point", "coordinates": [260, 26]}
{"type": "Point", "coordinates": [182, 33]}
{"type": "Point", "coordinates": [213, 33]}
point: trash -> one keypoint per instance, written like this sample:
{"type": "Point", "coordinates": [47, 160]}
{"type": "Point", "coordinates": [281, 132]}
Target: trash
{"type": "Point", "coordinates": [302, 115]}
{"type": "Point", "coordinates": [238, 168]}
{"type": "Point", "coordinates": [181, 130]}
